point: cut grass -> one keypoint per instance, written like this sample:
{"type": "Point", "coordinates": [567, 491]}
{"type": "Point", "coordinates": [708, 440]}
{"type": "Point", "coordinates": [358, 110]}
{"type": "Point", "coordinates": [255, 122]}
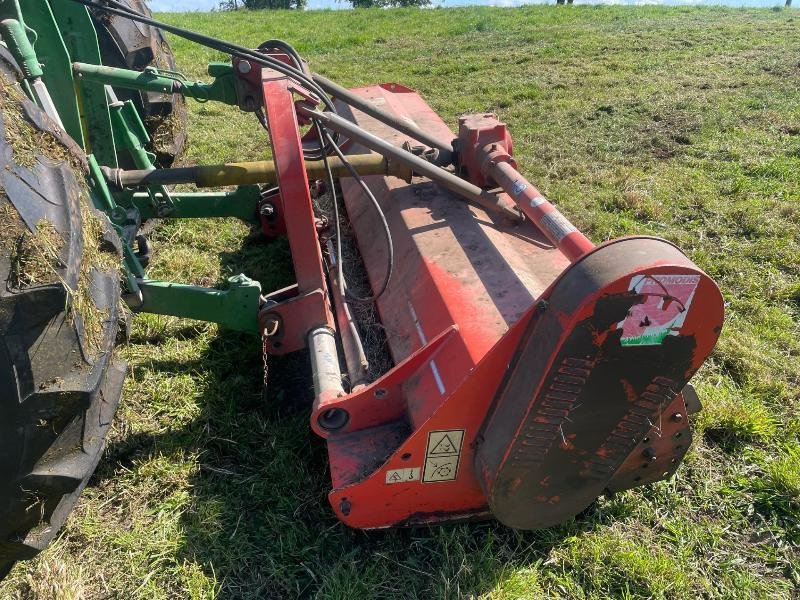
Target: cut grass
{"type": "Point", "coordinates": [679, 122]}
{"type": "Point", "coordinates": [35, 257]}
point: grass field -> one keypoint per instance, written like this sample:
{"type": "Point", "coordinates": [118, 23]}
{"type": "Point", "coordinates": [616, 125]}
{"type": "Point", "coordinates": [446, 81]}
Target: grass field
{"type": "Point", "coordinates": [678, 122]}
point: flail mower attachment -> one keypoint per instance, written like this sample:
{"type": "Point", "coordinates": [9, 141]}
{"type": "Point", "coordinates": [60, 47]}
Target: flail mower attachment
{"type": "Point", "coordinates": [532, 370]}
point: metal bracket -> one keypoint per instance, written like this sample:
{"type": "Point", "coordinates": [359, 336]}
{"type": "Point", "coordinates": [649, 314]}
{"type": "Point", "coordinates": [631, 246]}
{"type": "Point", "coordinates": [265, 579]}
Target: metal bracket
{"type": "Point", "coordinates": [235, 308]}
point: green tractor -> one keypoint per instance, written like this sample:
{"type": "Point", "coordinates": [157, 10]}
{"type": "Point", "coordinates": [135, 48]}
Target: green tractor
{"type": "Point", "coordinates": [59, 255]}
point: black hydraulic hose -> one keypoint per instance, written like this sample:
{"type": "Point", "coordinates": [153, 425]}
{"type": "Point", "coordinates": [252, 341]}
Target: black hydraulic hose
{"type": "Point", "coordinates": [378, 209]}
{"type": "Point", "coordinates": [113, 7]}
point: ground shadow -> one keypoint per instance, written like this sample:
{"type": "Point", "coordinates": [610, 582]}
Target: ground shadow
{"type": "Point", "coordinates": [259, 519]}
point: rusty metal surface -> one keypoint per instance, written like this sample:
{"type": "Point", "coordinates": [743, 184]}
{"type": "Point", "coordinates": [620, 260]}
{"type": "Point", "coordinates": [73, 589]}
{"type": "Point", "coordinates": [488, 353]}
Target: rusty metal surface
{"type": "Point", "coordinates": [455, 264]}
{"type": "Point", "coordinates": [578, 397]}
{"type": "Point", "coordinates": [659, 452]}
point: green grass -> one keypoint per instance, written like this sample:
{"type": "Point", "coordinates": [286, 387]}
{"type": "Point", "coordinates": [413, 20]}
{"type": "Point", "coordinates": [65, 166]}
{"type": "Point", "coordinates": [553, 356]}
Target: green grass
{"type": "Point", "coordinates": [679, 122]}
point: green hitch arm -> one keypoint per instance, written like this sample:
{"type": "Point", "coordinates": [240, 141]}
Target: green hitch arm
{"type": "Point", "coordinates": [235, 308]}
{"type": "Point", "coordinates": [241, 203]}
{"type": "Point", "coordinates": [131, 135]}
{"type": "Point", "coordinates": [222, 89]}
{"type": "Point", "coordinates": [16, 38]}
{"type": "Point", "coordinates": [13, 33]}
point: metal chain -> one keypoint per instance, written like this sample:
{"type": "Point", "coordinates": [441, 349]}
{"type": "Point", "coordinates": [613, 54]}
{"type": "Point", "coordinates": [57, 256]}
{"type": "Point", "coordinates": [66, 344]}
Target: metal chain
{"type": "Point", "coordinates": [266, 367]}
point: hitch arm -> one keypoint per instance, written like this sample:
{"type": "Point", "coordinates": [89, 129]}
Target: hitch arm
{"type": "Point", "coordinates": [222, 89]}
{"type": "Point", "coordinates": [235, 308]}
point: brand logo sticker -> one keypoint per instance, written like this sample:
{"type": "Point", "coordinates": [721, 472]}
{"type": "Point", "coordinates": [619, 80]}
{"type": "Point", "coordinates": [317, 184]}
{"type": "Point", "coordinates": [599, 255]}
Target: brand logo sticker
{"type": "Point", "coordinates": [667, 299]}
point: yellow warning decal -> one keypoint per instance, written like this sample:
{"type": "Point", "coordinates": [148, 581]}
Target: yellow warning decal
{"type": "Point", "coordinates": [442, 455]}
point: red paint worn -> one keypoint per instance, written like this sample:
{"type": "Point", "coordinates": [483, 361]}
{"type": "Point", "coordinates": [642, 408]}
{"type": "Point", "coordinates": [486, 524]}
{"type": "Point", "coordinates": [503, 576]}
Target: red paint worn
{"type": "Point", "coordinates": [465, 295]}
{"type": "Point", "coordinates": [464, 409]}
{"type": "Point", "coordinates": [311, 306]}
{"type": "Point", "coordinates": [485, 152]}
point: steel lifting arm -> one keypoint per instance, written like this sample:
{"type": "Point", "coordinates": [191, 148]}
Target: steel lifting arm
{"type": "Point", "coordinates": [222, 89]}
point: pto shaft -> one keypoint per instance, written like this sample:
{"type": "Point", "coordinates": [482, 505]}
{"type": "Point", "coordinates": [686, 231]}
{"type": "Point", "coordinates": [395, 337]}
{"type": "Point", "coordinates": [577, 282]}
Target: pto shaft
{"type": "Point", "coordinates": [243, 173]}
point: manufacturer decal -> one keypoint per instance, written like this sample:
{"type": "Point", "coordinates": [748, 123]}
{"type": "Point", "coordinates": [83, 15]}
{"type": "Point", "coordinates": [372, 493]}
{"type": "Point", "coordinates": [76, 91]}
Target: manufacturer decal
{"type": "Point", "coordinates": [667, 299]}
{"type": "Point", "coordinates": [518, 187]}
{"type": "Point", "coordinates": [442, 455]}
{"type": "Point", "coordinates": [557, 225]}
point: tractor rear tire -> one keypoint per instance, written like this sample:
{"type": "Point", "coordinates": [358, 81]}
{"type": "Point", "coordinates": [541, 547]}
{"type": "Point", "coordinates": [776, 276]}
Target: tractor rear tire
{"type": "Point", "coordinates": [130, 45]}
{"type": "Point", "coordinates": [59, 317]}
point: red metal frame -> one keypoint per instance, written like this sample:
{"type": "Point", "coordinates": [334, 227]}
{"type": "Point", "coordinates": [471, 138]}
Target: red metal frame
{"type": "Point", "coordinates": [310, 306]}
{"type": "Point", "coordinates": [464, 300]}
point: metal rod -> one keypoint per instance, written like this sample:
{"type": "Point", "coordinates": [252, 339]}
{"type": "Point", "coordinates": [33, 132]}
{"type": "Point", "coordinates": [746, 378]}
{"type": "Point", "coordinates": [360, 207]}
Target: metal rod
{"type": "Point", "coordinates": [243, 173]}
{"type": "Point", "coordinates": [154, 81]}
{"type": "Point", "coordinates": [418, 165]}
{"type": "Point", "coordinates": [325, 372]}
{"type": "Point", "coordinates": [354, 357]}
{"type": "Point", "coordinates": [538, 209]}
{"type": "Point", "coordinates": [445, 147]}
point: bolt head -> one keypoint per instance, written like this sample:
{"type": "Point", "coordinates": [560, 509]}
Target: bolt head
{"type": "Point", "coordinates": [244, 67]}
{"type": "Point", "coordinates": [345, 506]}
{"type": "Point", "coordinates": [677, 417]}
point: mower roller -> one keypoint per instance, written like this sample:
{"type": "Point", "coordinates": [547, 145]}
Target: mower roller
{"type": "Point", "coordinates": [531, 371]}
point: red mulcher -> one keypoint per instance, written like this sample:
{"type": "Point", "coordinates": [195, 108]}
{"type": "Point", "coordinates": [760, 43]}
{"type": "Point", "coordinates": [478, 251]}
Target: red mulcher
{"type": "Point", "coordinates": [533, 370]}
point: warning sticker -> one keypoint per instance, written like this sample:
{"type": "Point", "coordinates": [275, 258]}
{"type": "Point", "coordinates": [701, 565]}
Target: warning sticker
{"type": "Point", "coordinates": [667, 299]}
{"type": "Point", "coordinates": [402, 475]}
{"type": "Point", "coordinates": [442, 455]}
{"type": "Point", "coordinates": [558, 225]}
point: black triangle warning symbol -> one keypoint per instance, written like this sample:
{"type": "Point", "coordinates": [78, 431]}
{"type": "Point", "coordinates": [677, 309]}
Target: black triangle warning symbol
{"type": "Point", "coordinates": [444, 446]}
{"type": "Point", "coordinates": [394, 477]}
